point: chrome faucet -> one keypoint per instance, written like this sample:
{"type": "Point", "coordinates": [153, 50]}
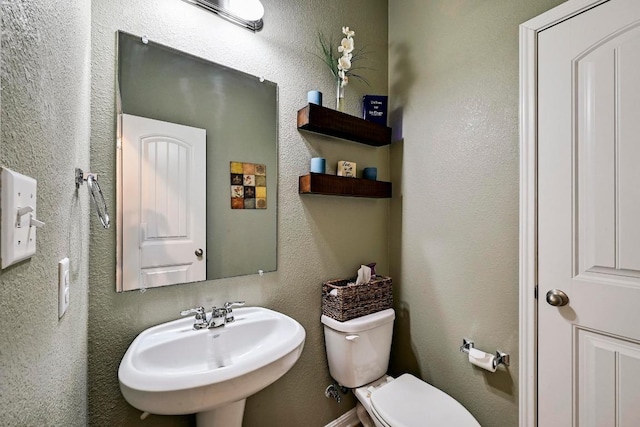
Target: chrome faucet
{"type": "Point", "coordinates": [219, 316]}
{"type": "Point", "coordinates": [201, 317]}
{"type": "Point", "coordinates": [222, 316]}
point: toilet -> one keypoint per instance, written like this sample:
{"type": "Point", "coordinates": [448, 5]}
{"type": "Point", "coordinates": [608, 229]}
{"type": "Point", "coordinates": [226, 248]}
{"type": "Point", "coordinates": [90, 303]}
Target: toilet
{"type": "Point", "coordinates": [358, 354]}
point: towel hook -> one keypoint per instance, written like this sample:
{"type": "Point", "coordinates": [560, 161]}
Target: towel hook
{"type": "Point", "coordinates": [96, 194]}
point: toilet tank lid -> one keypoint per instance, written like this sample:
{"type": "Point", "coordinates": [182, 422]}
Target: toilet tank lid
{"type": "Point", "coordinates": [362, 323]}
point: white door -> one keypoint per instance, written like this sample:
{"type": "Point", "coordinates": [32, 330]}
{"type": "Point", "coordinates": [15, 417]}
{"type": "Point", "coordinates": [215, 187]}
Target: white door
{"type": "Point", "coordinates": [163, 203]}
{"type": "Point", "coordinates": [589, 218]}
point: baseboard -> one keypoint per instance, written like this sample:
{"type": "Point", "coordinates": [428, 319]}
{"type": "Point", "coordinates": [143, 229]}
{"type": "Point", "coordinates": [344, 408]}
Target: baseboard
{"type": "Point", "coordinates": [348, 419]}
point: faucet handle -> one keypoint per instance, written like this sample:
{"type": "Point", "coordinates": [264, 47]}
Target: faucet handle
{"type": "Point", "coordinates": [198, 311]}
{"type": "Point", "coordinates": [201, 317]}
{"type": "Point", "coordinates": [228, 307]}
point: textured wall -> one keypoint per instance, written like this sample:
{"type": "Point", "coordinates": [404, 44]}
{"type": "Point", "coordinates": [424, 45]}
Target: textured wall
{"type": "Point", "coordinates": [45, 134]}
{"type": "Point", "coordinates": [318, 237]}
{"type": "Point", "coordinates": [453, 67]}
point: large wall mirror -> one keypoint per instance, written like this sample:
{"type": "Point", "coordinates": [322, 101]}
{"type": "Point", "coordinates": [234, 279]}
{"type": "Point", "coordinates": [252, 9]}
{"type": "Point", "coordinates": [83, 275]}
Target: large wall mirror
{"type": "Point", "coordinates": [197, 168]}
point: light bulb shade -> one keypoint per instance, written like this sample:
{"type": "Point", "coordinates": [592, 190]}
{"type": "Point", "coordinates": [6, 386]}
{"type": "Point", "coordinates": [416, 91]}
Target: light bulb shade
{"type": "Point", "coordinates": [249, 10]}
{"type": "Point", "coordinates": [246, 13]}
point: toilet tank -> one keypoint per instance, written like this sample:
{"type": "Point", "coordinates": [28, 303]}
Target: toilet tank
{"type": "Point", "coordinates": [358, 349]}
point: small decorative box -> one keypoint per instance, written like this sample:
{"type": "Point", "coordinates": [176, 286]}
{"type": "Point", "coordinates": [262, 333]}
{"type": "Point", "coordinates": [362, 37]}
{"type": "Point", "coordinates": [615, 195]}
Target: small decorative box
{"type": "Point", "coordinates": [375, 109]}
{"type": "Point", "coordinates": [346, 168]}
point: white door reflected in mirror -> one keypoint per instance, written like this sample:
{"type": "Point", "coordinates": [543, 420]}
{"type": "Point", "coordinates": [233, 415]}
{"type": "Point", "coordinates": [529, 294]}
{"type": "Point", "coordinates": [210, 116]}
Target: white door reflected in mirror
{"type": "Point", "coordinates": [163, 203]}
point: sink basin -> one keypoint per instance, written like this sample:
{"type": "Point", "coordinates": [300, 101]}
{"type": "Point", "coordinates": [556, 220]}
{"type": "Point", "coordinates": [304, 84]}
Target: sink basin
{"type": "Point", "coordinates": [172, 369]}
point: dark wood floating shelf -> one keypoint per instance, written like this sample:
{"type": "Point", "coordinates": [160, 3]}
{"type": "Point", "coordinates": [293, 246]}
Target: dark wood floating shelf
{"type": "Point", "coordinates": [318, 119]}
{"type": "Point", "coordinates": [332, 185]}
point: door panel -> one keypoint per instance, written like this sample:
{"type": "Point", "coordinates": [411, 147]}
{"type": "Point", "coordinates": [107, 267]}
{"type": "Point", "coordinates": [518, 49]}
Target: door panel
{"type": "Point", "coordinates": [609, 373]}
{"type": "Point", "coordinates": [628, 91]}
{"type": "Point", "coordinates": [608, 155]}
{"type": "Point", "coordinates": [166, 275]}
{"type": "Point", "coordinates": [589, 216]}
{"type": "Point", "coordinates": [164, 187]}
{"type": "Point", "coordinates": [164, 220]}
{"type": "Point", "coordinates": [596, 161]}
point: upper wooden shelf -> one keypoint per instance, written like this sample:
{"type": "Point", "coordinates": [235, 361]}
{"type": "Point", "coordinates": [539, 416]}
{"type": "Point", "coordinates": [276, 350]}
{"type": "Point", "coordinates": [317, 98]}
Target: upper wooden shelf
{"type": "Point", "coordinates": [319, 119]}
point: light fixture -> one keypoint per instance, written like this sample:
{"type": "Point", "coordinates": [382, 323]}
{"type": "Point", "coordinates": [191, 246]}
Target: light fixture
{"type": "Point", "coordinates": [246, 13]}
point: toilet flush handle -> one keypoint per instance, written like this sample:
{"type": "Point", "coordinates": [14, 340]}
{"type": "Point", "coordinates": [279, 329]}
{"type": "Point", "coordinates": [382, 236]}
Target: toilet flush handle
{"type": "Point", "coordinates": [352, 337]}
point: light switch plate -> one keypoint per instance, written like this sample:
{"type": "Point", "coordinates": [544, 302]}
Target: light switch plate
{"type": "Point", "coordinates": [17, 242]}
{"type": "Point", "coordinates": [63, 286]}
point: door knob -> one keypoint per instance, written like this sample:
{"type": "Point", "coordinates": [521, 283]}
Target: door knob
{"type": "Point", "coordinates": [199, 252]}
{"type": "Point", "coordinates": [557, 298]}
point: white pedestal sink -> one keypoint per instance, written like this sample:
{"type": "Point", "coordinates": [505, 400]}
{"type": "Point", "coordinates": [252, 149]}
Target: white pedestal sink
{"type": "Point", "coordinates": [172, 369]}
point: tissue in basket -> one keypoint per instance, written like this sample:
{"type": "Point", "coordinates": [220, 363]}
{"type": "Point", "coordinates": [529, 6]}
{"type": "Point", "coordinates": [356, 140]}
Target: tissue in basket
{"type": "Point", "coordinates": [343, 300]}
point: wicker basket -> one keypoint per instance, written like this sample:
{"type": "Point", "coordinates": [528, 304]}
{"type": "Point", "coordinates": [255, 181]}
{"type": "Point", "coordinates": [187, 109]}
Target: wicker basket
{"type": "Point", "coordinates": [354, 301]}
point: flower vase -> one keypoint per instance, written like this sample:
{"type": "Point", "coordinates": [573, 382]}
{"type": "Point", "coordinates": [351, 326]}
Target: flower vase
{"type": "Point", "coordinates": [340, 97]}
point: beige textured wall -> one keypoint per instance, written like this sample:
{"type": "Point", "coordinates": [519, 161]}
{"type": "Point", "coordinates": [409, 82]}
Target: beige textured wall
{"type": "Point", "coordinates": [319, 237]}
{"type": "Point", "coordinates": [454, 74]}
{"type": "Point", "coordinates": [45, 80]}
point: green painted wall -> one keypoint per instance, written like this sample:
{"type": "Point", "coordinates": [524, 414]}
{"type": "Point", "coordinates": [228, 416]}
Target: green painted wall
{"type": "Point", "coordinates": [45, 78]}
{"type": "Point", "coordinates": [453, 81]}
{"type": "Point", "coordinates": [319, 238]}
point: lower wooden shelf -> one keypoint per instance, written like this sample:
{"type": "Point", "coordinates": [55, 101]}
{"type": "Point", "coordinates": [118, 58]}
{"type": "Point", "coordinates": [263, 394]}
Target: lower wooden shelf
{"type": "Point", "coordinates": [332, 185]}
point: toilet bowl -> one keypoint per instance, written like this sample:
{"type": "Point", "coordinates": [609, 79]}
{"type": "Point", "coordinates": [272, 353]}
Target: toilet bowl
{"type": "Point", "coordinates": [358, 355]}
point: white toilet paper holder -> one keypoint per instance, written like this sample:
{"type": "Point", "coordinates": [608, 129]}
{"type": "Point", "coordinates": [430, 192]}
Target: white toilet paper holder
{"type": "Point", "coordinates": [501, 358]}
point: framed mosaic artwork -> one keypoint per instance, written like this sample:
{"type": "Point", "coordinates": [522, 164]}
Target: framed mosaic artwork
{"type": "Point", "coordinates": [248, 185]}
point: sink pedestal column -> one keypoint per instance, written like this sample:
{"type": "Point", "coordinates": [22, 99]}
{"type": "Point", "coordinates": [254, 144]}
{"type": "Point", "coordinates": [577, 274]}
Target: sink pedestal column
{"type": "Point", "coordinates": [229, 415]}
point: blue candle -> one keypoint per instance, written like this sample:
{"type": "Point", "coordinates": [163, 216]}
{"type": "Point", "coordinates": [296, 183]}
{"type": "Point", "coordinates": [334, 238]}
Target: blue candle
{"type": "Point", "coordinates": [370, 173]}
{"type": "Point", "coordinates": [318, 165]}
{"type": "Point", "coordinates": [314, 97]}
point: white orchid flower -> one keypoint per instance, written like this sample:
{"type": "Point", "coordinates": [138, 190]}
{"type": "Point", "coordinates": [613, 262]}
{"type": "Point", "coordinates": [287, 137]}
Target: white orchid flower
{"type": "Point", "coordinates": [341, 66]}
{"type": "Point", "coordinates": [347, 32]}
{"type": "Point", "coordinates": [346, 46]}
{"type": "Point", "coordinates": [344, 62]}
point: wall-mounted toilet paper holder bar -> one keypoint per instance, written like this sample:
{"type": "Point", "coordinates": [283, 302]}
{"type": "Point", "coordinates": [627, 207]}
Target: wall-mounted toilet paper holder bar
{"type": "Point", "coordinates": [500, 358]}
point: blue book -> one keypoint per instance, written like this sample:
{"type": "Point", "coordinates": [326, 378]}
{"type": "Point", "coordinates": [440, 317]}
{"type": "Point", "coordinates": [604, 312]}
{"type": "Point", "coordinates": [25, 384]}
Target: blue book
{"type": "Point", "coordinates": [374, 109]}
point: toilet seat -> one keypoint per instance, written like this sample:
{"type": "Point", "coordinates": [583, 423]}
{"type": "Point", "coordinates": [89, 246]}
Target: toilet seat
{"type": "Point", "coordinates": [379, 421]}
{"type": "Point", "coordinates": [410, 402]}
